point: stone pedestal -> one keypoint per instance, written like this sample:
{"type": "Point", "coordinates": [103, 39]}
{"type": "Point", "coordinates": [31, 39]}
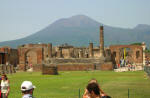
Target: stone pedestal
{"type": "Point", "coordinates": [49, 70]}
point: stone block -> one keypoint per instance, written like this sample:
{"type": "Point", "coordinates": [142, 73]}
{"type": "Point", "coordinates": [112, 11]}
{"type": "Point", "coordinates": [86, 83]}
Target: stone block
{"type": "Point", "coordinates": [49, 70]}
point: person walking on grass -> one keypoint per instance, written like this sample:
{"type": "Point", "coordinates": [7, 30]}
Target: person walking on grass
{"type": "Point", "coordinates": [4, 86]}
{"type": "Point", "coordinates": [27, 89]}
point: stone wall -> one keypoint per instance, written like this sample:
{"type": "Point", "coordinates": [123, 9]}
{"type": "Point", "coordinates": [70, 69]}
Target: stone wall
{"type": "Point", "coordinates": [73, 64]}
{"type": "Point", "coordinates": [37, 54]}
{"type": "Point", "coordinates": [78, 67]}
{"type": "Point", "coordinates": [147, 55]}
{"type": "Point", "coordinates": [147, 59]}
{"type": "Point", "coordinates": [13, 57]}
{"type": "Point", "coordinates": [31, 54]}
{"type": "Point", "coordinates": [50, 70]}
{"type": "Point", "coordinates": [135, 53]}
{"type": "Point", "coordinates": [75, 67]}
{"type": "Point", "coordinates": [74, 60]}
{"type": "Point", "coordinates": [8, 56]}
{"type": "Point", "coordinates": [37, 67]}
{"type": "Point", "coordinates": [107, 66]}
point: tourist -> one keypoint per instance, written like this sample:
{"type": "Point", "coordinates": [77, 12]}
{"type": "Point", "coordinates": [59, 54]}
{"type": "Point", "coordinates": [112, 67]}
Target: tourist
{"type": "Point", "coordinates": [102, 94]}
{"type": "Point", "coordinates": [92, 91]}
{"type": "Point", "coordinates": [30, 68]}
{"type": "Point", "coordinates": [129, 67]}
{"type": "Point", "coordinates": [4, 86]}
{"type": "Point", "coordinates": [118, 65]}
{"type": "Point", "coordinates": [101, 91]}
{"type": "Point", "coordinates": [27, 89]}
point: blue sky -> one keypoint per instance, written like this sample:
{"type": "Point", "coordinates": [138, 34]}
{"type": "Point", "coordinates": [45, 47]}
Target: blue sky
{"type": "Point", "coordinates": [20, 18]}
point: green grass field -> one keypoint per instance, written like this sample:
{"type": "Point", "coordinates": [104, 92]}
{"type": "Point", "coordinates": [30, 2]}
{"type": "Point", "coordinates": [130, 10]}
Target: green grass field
{"type": "Point", "coordinates": [68, 83]}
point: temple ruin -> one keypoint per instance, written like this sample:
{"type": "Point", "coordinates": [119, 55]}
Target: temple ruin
{"type": "Point", "coordinates": [65, 57]}
{"type": "Point", "coordinates": [131, 53]}
{"type": "Point", "coordinates": [68, 57]}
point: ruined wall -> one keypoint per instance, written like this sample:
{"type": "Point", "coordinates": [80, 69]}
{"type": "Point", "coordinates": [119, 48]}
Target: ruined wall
{"type": "Point", "coordinates": [75, 67]}
{"type": "Point", "coordinates": [74, 60]}
{"type": "Point", "coordinates": [8, 56]}
{"type": "Point", "coordinates": [107, 66]}
{"type": "Point", "coordinates": [147, 58]}
{"type": "Point", "coordinates": [30, 54]}
{"type": "Point", "coordinates": [37, 67]}
{"type": "Point", "coordinates": [67, 52]}
{"type": "Point", "coordinates": [135, 53]}
{"type": "Point", "coordinates": [13, 57]}
{"type": "Point", "coordinates": [73, 64]}
{"type": "Point", "coordinates": [50, 70]}
{"type": "Point", "coordinates": [4, 53]}
{"type": "Point", "coordinates": [65, 56]}
{"type": "Point", "coordinates": [96, 53]}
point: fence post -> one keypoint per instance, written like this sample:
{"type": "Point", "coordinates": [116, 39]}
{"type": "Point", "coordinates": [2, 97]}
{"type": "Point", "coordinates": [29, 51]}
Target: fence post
{"type": "Point", "coordinates": [79, 92]}
{"type": "Point", "coordinates": [128, 93]}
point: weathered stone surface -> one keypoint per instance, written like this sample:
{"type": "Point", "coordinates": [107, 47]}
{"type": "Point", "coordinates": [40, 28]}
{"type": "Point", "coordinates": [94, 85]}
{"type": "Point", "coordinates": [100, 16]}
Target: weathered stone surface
{"type": "Point", "coordinates": [65, 57]}
{"type": "Point", "coordinates": [91, 50]}
{"type": "Point", "coordinates": [107, 66]}
{"type": "Point", "coordinates": [50, 70]}
{"type": "Point", "coordinates": [8, 56]}
{"type": "Point", "coordinates": [135, 53]}
{"type": "Point", "coordinates": [101, 41]}
{"type": "Point", "coordinates": [75, 67]}
{"type": "Point", "coordinates": [74, 60]}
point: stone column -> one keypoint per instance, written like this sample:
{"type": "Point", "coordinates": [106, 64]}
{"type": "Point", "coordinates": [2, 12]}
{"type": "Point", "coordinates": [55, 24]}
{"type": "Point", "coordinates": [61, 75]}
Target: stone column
{"type": "Point", "coordinates": [60, 53]}
{"type": "Point", "coordinates": [50, 50]}
{"type": "Point", "coordinates": [80, 54]}
{"type": "Point", "coordinates": [91, 50]}
{"type": "Point", "coordinates": [6, 58]}
{"type": "Point", "coordinates": [69, 51]}
{"type": "Point", "coordinates": [144, 47]}
{"type": "Point", "coordinates": [101, 42]}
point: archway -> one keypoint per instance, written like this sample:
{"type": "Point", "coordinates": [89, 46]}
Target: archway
{"type": "Point", "coordinates": [30, 58]}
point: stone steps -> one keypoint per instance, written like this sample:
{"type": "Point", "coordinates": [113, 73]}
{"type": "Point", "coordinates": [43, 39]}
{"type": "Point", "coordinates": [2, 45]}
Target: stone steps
{"type": "Point", "coordinates": [124, 69]}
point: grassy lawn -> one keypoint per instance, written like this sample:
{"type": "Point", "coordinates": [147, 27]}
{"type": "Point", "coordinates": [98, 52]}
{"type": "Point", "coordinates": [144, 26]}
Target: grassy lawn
{"type": "Point", "coordinates": [67, 84]}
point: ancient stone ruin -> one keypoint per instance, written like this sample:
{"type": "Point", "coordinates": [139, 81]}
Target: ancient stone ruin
{"type": "Point", "coordinates": [8, 60]}
{"type": "Point", "coordinates": [48, 58]}
{"type": "Point", "coordinates": [66, 57]}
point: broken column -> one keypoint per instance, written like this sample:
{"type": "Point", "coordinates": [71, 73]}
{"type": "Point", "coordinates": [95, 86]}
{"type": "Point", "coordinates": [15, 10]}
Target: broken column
{"type": "Point", "coordinates": [60, 52]}
{"type": "Point", "coordinates": [91, 50]}
{"type": "Point", "coordinates": [101, 42]}
{"type": "Point", "coordinates": [80, 53]}
{"type": "Point", "coordinates": [50, 50]}
{"type": "Point", "coordinates": [144, 47]}
{"type": "Point", "coordinates": [69, 53]}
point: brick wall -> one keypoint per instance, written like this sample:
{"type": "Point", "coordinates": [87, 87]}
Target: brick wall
{"type": "Point", "coordinates": [75, 67]}
{"type": "Point", "coordinates": [107, 66]}
{"type": "Point", "coordinates": [133, 51]}
{"type": "Point", "coordinates": [51, 70]}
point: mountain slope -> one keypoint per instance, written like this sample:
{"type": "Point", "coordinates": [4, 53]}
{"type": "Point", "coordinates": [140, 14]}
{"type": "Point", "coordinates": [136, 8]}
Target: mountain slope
{"type": "Point", "coordinates": [80, 30]}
